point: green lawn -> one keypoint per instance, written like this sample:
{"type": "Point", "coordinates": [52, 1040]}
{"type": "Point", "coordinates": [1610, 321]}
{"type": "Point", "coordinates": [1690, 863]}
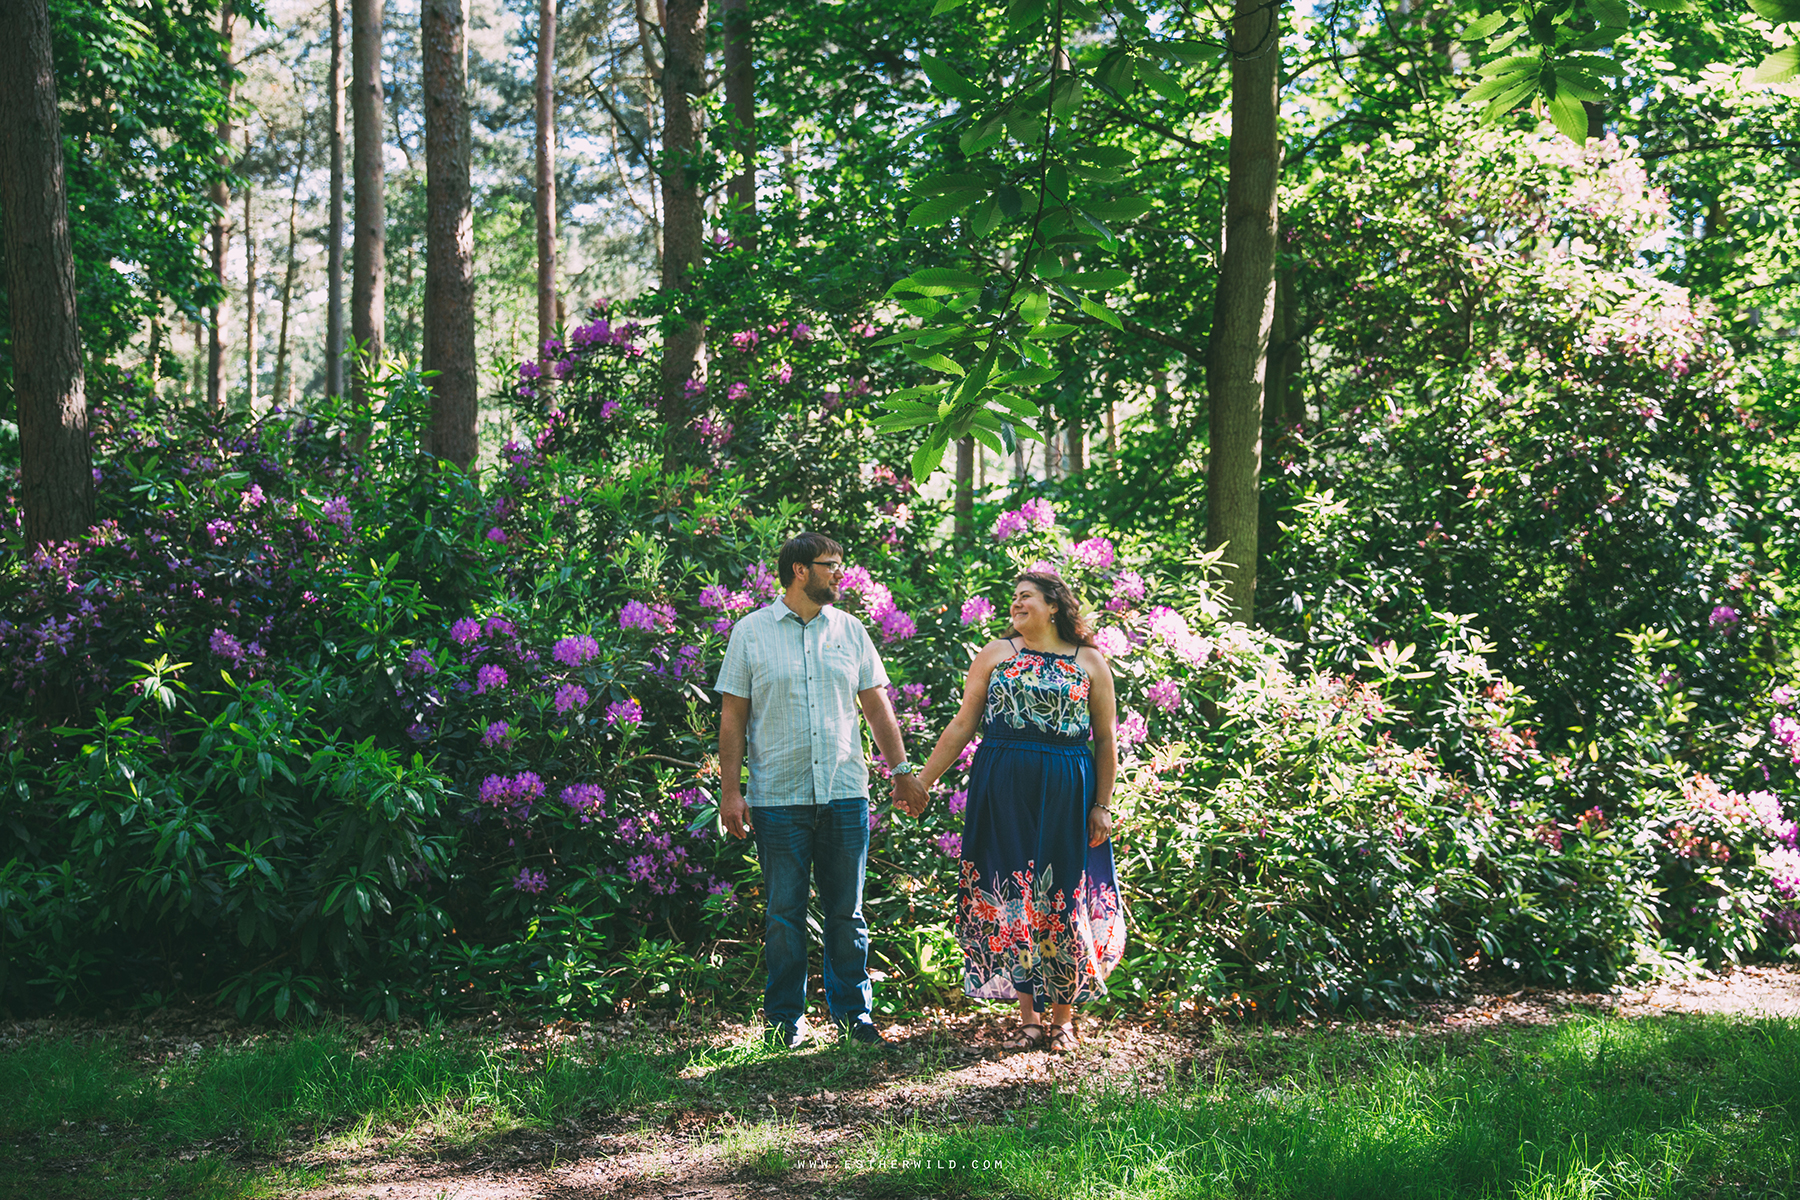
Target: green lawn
{"type": "Point", "coordinates": [1601, 1107]}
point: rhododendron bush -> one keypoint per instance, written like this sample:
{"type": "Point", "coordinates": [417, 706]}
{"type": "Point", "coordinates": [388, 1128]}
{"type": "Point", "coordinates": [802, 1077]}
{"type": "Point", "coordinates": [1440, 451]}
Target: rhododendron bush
{"type": "Point", "coordinates": [307, 720]}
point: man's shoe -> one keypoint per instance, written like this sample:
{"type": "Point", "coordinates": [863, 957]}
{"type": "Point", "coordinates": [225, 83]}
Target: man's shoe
{"type": "Point", "coordinates": [789, 1035]}
{"type": "Point", "coordinates": [863, 1032]}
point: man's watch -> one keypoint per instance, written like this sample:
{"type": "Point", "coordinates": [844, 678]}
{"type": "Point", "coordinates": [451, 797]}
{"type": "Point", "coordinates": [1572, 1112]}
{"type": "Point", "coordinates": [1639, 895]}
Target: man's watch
{"type": "Point", "coordinates": [904, 768]}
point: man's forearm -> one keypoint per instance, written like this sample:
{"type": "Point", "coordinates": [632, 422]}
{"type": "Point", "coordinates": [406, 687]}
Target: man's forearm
{"type": "Point", "coordinates": [885, 729]}
{"type": "Point", "coordinates": [731, 750]}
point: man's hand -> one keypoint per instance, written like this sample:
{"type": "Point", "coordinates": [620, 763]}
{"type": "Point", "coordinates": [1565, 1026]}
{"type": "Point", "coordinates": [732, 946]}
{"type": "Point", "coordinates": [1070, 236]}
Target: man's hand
{"type": "Point", "coordinates": [910, 795]}
{"type": "Point", "coordinates": [735, 813]}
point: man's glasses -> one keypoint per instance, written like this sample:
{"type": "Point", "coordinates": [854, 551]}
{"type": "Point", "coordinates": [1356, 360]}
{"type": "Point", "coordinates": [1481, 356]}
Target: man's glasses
{"type": "Point", "coordinates": [836, 568]}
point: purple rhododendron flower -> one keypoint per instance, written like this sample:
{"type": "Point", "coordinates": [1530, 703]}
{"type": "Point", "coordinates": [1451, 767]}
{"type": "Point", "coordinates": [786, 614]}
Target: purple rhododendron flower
{"type": "Point", "coordinates": [1133, 729]}
{"type": "Point", "coordinates": [497, 535]}
{"type": "Point", "coordinates": [337, 511]}
{"type": "Point", "coordinates": [1038, 512]}
{"type": "Point", "coordinates": [465, 631]}
{"type": "Point", "coordinates": [419, 663]}
{"type": "Point", "coordinates": [714, 595]}
{"type": "Point", "coordinates": [1725, 617]}
{"type": "Point", "coordinates": [1165, 694]}
{"type": "Point", "coordinates": [490, 678]}
{"type": "Point", "coordinates": [949, 844]}
{"type": "Point", "coordinates": [977, 608]}
{"type": "Point", "coordinates": [585, 798]}
{"type": "Point", "coordinates": [227, 647]}
{"type": "Point", "coordinates": [1008, 524]}
{"type": "Point", "coordinates": [737, 391]}
{"type": "Point", "coordinates": [530, 881]}
{"type": "Point", "coordinates": [570, 695]}
{"type": "Point", "coordinates": [959, 802]}
{"type": "Point", "coordinates": [609, 410]}
{"type": "Point", "coordinates": [625, 712]}
{"type": "Point", "coordinates": [897, 626]}
{"type": "Point", "coordinates": [498, 734]}
{"type": "Point", "coordinates": [636, 615]}
{"type": "Point", "coordinates": [1096, 552]}
{"type": "Point", "coordinates": [575, 651]}
{"type": "Point", "coordinates": [1782, 696]}
{"type": "Point", "coordinates": [497, 627]}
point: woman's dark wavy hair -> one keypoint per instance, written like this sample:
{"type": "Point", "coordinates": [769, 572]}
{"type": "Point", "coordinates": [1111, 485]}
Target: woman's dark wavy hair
{"type": "Point", "coordinates": [1072, 624]}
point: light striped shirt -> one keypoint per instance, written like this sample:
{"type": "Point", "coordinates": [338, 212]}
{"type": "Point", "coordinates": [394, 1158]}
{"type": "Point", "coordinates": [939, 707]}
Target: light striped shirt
{"type": "Point", "coordinates": [804, 742]}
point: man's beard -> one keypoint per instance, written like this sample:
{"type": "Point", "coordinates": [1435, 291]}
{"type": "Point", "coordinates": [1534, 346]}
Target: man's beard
{"type": "Point", "coordinates": [822, 593]}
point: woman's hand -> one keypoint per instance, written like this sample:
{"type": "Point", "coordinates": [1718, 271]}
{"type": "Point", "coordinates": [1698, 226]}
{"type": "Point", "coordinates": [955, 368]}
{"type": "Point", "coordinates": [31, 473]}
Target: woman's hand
{"type": "Point", "coordinates": [1099, 826]}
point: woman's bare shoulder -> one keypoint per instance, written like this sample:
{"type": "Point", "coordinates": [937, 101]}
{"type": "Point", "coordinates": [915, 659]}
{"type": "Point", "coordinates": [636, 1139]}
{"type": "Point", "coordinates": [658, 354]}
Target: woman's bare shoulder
{"type": "Point", "coordinates": [1092, 661]}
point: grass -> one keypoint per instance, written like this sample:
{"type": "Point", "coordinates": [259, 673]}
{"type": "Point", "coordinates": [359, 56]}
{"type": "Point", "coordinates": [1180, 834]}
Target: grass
{"type": "Point", "coordinates": [1602, 1107]}
{"type": "Point", "coordinates": [186, 1127]}
{"type": "Point", "coordinates": [1595, 1108]}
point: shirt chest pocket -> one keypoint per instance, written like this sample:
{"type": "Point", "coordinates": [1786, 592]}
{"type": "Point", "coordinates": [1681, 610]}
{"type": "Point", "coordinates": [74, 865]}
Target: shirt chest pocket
{"type": "Point", "coordinates": [837, 663]}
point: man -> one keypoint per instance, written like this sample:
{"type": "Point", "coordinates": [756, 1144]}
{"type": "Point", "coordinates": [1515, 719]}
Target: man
{"type": "Point", "coordinates": [794, 675]}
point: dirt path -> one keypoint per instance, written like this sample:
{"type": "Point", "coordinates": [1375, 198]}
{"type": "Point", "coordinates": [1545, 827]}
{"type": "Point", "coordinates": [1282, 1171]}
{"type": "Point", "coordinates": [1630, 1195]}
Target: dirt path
{"type": "Point", "coordinates": [797, 1127]}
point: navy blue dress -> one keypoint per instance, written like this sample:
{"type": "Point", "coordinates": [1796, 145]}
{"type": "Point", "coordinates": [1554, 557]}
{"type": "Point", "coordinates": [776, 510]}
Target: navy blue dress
{"type": "Point", "coordinates": [1037, 908]}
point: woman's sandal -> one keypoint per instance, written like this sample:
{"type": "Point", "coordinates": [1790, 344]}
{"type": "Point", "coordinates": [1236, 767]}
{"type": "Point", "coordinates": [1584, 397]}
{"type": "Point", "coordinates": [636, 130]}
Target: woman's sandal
{"type": "Point", "coordinates": [1062, 1038]}
{"type": "Point", "coordinates": [1031, 1037]}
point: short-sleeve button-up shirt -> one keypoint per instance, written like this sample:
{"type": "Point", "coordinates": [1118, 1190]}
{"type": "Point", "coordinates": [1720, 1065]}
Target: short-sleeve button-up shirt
{"type": "Point", "coordinates": [804, 744]}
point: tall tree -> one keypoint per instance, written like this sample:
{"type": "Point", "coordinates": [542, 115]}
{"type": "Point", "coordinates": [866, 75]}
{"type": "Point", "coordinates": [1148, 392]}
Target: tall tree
{"type": "Point", "coordinates": [334, 225]}
{"type": "Point", "coordinates": [963, 504]}
{"type": "Point", "coordinates": [683, 80]}
{"type": "Point", "coordinates": [368, 285]}
{"type": "Point", "coordinates": [58, 483]}
{"type": "Point", "coordinates": [249, 288]}
{"type": "Point", "coordinates": [449, 235]}
{"type": "Point", "coordinates": [546, 172]}
{"type": "Point", "coordinates": [740, 102]}
{"type": "Point", "coordinates": [284, 384]}
{"type": "Point", "coordinates": [221, 228]}
{"type": "Point", "coordinates": [1244, 302]}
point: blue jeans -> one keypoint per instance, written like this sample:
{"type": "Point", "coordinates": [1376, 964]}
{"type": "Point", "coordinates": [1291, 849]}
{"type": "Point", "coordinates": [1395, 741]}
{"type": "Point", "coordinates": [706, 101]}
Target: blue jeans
{"type": "Point", "coordinates": [831, 843]}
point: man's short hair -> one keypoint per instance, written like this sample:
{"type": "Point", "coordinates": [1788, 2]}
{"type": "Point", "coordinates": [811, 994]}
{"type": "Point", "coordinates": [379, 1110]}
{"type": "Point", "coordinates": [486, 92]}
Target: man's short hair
{"type": "Point", "coordinates": [803, 548]}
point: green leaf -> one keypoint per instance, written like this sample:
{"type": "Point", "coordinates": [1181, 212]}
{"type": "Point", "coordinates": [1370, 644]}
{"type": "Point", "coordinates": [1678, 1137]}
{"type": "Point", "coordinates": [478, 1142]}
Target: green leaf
{"type": "Point", "coordinates": [1570, 116]}
{"type": "Point", "coordinates": [1193, 53]}
{"type": "Point", "coordinates": [1596, 63]}
{"type": "Point", "coordinates": [948, 80]}
{"type": "Point", "coordinates": [929, 455]}
{"type": "Point", "coordinates": [920, 306]}
{"type": "Point", "coordinates": [986, 217]}
{"type": "Point", "coordinates": [928, 358]}
{"type": "Point", "coordinates": [1016, 403]}
{"type": "Point", "coordinates": [1487, 89]}
{"type": "Point", "coordinates": [897, 422]}
{"type": "Point", "coordinates": [1034, 306]}
{"type": "Point", "coordinates": [1047, 332]}
{"type": "Point", "coordinates": [1511, 65]}
{"type": "Point", "coordinates": [1094, 308]}
{"type": "Point", "coordinates": [1579, 85]}
{"type": "Point", "coordinates": [1613, 12]}
{"type": "Point", "coordinates": [1161, 82]}
{"type": "Point", "coordinates": [1117, 72]}
{"type": "Point", "coordinates": [1020, 13]}
{"type": "Point", "coordinates": [1025, 377]}
{"type": "Point", "coordinates": [1098, 281]}
{"type": "Point", "coordinates": [939, 209]}
{"type": "Point", "coordinates": [982, 134]}
{"type": "Point", "coordinates": [1068, 97]}
{"type": "Point", "coordinates": [1482, 28]}
{"type": "Point", "coordinates": [1779, 67]}
{"type": "Point", "coordinates": [1509, 99]}
{"type": "Point", "coordinates": [989, 440]}
{"type": "Point", "coordinates": [1105, 156]}
{"type": "Point", "coordinates": [937, 281]}
{"type": "Point", "coordinates": [939, 184]}
{"type": "Point", "coordinates": [944, 6]}
{"type": "Point", "coordinates": [1781, 12]}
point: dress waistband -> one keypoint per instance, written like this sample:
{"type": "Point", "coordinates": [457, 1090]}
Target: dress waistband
{"type": "Point", "coordinates": [1014, 739]}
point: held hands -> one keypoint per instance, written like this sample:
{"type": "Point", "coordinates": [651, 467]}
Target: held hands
{"type": "Point", "coordinates": [1099, 826]}
{"type": "Point", "coordinates": [910, 795]}
{"type": "Point", "coordinates": [735, 813]}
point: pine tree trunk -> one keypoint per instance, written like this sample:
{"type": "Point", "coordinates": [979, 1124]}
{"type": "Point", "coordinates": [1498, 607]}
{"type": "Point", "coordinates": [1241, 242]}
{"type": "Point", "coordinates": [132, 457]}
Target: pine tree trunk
{"type": "Point", "coordinates": [449, 236]}
{"type": "Point", "coordinates": [740, 102]}
{"type": "Point", "coordinates": [1077, 449]}
{"type": "Point", "coordinates": [964, 504]}
{"type": "Point", "coordinates": [546, 172]}
{"type": "Point", "coordinates": [284, 390]}
{"type": "Point", "coordinates": [368, 284]}
{"type": "Point", "coordinates": [57, 484]}
{"type": "Point", "coordinates": [334, 243]}
{"type": "Point", "coordinates": [683, 80]}
{"type": "Point", "coordinates": [249, 291]}
{"type": "Point", "coordinates": [1244, 303]}
{"type": "Point", "coordinates": [221, 233]}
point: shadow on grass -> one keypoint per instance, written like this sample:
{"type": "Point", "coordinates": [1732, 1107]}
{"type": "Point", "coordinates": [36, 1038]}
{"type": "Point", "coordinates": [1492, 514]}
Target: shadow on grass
{"type": "Point", "coordinates": [1660, 1107]}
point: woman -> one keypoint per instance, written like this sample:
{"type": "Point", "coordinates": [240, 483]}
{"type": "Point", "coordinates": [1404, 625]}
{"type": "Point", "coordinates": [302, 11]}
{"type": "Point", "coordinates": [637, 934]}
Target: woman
{"type": "Point", "coordinates": [1037, 907]}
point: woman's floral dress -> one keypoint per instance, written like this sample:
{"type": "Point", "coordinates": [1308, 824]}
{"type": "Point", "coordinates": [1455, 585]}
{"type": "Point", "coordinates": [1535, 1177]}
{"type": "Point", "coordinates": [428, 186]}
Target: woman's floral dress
{"type": "Point", "coordinates": [1037, 908]}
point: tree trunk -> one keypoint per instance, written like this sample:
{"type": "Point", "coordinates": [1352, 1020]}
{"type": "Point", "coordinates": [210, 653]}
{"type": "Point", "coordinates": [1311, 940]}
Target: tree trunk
{"type": "Point", "coordinates": [740, 102]}
{"type": "Point", "coordinates": [964, 504]}
{"type": "Point", "coordinates": [1077, 448]}
{"type": "Point", "coordinates": [546, 172]}
{"type": "Point", "coordinates": [1112, 437]}
{"type": "Point", "coordinates": [368, 284]}
{"type": "Point", "coordinates": [449, 236]}
{"type": "Point", "coordinates": [249, 291]}
{"type": "Point", "coordinates": [284, 389]}
{"type": "Point", "coordinates": [221, 198]}
{"type": "Point", "coordinates": [334, 244]}
{"type": "Point", "coordinates": [683, 79]}
{"type": "Point", "coordinates": [1244, 305]}
{"type": "Point", "coordinates": [57, 484]}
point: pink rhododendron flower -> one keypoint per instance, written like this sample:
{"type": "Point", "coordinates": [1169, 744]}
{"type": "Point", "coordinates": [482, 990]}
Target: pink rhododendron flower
{"type": "Point", "coordinates": [1724, 617]}
{"type": "Point", "coordinates": [1111, 641]}
{"type": "Point", "coordinates": [949, 844]}
{"type": "Point", "coordinates": [1133, 729]}
{"type": "Point", "coordinates": [737, 391]}
{"type": "Point", "coordinates": [1096, 552]}
{"type": "Point", "coordinates": [897, 626]}
{"type": "Point", "coordinates": [1165, 694]}
{"type": "Point", "coordinates": [1128, 586]}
